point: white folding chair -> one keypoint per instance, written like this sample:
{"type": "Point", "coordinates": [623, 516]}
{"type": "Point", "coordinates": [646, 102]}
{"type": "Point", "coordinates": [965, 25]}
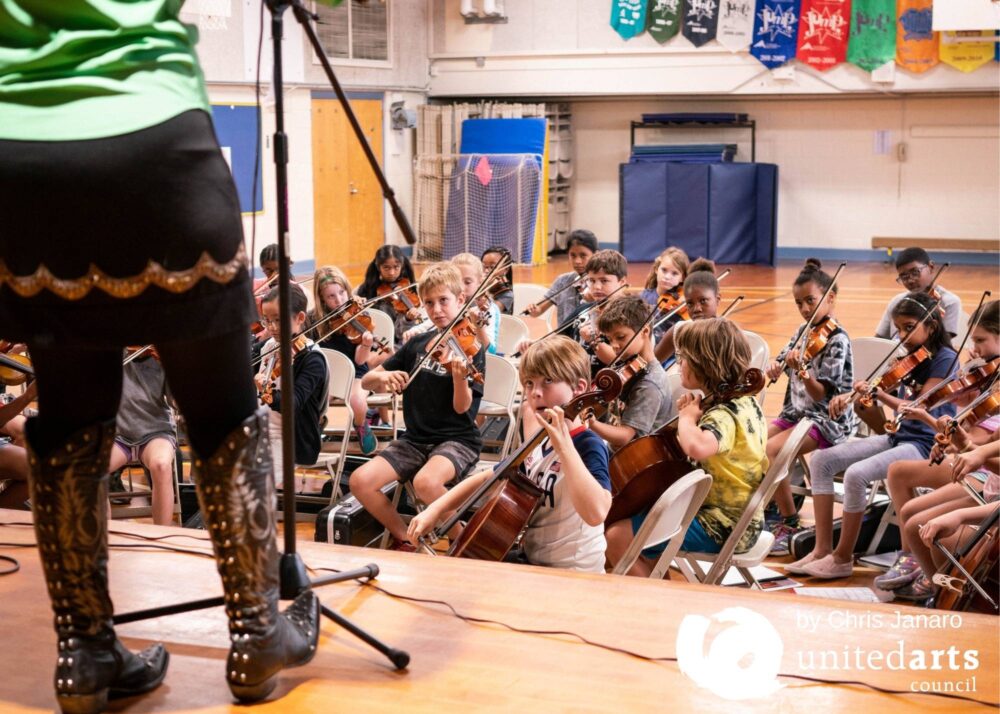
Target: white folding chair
{"type": "Point", "coordinates": [668, 520]}
{"type": "Point", "coordinates": [760, 355]}
{"type": "Point", "coordinates": [341, 381]}
{"type": "Point", "coordinates": [499, 390]}
{"type": "Point", "coordinates": [963, 328]}
{"type": "Point", "coordinates": [528, 293]}
{"type": "Point", "coordinates": [674, 389]}
{"type": "Point", "coordinates": [512, 331]}
{"type": "Point", "coordinates": [727, 557]}
{"type": "Point", "coordinates": [385, 329]}
{"type": "Point", "coordinates": [867, 353]}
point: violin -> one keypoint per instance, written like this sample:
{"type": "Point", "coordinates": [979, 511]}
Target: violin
{"type": "Point", "coordinates": [140, 353]}
{"type": "Point", "coordinates": [577, 285]}
{"type": "Point", "coordinates": [974, 379]}
{"type": "Point", "coordinates": [983, 407]}
{"type": "Point", "coordinates": [670, 303]}
{"type": "Point", "coordinates": [15, 369]}
{"type": "Point", "coordinates": [267, 393]}
{"type": "Point", "coordinates": [499, 522]}
{"type": "Point", "coordinates": [972, 573]}
{"type": "Point", "coordinates": [463, 339]}
{"type": "Point", "coordinates": [817, 340]}
{"type": "Point", "coordinates": [483, 303]}
{"type": "Point", "coordinates": [646, 467]}
{"type": "Point", "coordinates": [891, 378]}
{"type": "Point", "coordinates": [402, 301]}
{"type": "Point", "coordinates": [354, 323]}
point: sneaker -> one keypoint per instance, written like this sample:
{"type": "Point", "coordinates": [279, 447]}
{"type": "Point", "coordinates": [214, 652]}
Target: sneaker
{"type": "Point", "coordinates": [920, 589]}
{"type": "Point", "coordinates": [783, 533]}
{"type": "Point", "coordinates": [905, 570]}
{"type": "Point", "coordinates": [797, 567]}
{"type": "Point", "coordinates": [829, 569]}
{"type": "Point", "coordinates": [367, 439]}
{"type": "Point", "coordinates": [402, 546]}
{"type": "Point", "coordinates": [772, 515]}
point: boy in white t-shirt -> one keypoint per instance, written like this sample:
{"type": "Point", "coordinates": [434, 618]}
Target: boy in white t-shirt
{"type": "Point", "coordinates": [571, 466]}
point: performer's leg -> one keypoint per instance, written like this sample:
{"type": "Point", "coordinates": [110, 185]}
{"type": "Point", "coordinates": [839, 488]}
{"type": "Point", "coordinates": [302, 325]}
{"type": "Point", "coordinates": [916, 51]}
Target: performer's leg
{"type": "Point", "coordinates": [211, 381]}
{"type": "Point", "coordinates": [69, 446]}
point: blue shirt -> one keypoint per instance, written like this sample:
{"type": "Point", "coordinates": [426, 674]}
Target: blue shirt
{"type": "Point", "coordinates": [913, 431]}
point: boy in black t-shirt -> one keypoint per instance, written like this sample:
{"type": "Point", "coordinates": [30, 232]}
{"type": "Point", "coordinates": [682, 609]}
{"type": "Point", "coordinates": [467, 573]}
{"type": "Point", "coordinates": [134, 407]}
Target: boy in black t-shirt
{"type": "Point", "coordinates": [441, 440]}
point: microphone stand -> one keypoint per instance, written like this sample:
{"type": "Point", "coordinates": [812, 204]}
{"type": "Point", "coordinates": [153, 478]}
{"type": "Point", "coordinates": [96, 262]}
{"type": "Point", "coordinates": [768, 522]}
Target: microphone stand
{"type": "Point", "coordinates": [293, 576]}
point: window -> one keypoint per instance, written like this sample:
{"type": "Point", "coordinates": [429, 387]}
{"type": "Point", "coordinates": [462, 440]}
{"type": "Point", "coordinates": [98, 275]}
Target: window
{"type": "Point", "coordinates": [355, 30]}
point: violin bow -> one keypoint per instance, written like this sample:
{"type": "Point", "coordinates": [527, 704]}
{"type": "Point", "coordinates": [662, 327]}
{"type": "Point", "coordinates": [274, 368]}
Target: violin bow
{"type": "Point", "coordinates": [944, 580]}
{"type": "Point", "coordinates": [975, 323]}
{"type": "Point", "coordinates": [809, 324]}
{"type": "Point", "coordinates": [719, 278]}
{"type": "Point", "coordinates": [944, 266]}
{"type": "Point", "coordinates": [560, 290]}
{"type": "Point", "coordinates": [570, 321]}
{"type": "Point", "coordinates": [734, 303]}
{"type": "Point", "coordinates": [483, 288]}
{"type": "Point", "coordinates": [16, 366]}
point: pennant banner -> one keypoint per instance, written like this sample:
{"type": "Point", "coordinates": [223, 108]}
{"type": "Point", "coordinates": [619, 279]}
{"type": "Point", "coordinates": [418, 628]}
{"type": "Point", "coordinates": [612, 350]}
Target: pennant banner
{"type": "Point", "coordinates": [916, 42]}
{"type": "Point", "coordinates": [701, 19]}
{"type": "Point", "coordinates": [774, 31]}
{"type": "Point", "coordinates": [628, 17]}
{"type": "Point", "coordinates": [663, 19]}
{"type": "Point", "coordinates": [735, 24]}
{"type": "Point", "coordinates": [823, 29]}
{"type": "Point", "coordinates": [873, 33]}
{"type": "Point", "coordinates": [964, 51]}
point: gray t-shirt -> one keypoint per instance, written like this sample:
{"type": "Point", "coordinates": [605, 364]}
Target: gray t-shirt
{"type": "Point", "coordinates": [143, 412]}
{"type": "Point", "coordinates": [647, 402]}
{"type": "Point", "coordinates": [568, 300]}
{"type": "Point", "coordinates": [952, 315]}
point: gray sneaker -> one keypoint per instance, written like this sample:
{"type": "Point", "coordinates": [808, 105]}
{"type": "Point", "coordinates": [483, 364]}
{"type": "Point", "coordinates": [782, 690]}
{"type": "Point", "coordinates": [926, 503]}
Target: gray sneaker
{"type": "Point", "coordinates": [905, 570]}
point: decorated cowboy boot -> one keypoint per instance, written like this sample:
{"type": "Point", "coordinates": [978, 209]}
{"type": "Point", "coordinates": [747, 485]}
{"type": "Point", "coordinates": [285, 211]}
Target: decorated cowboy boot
{"type": "Point", "coordinates": [236, 494]}
{"type": "Point", "coordinates": [69, 498]}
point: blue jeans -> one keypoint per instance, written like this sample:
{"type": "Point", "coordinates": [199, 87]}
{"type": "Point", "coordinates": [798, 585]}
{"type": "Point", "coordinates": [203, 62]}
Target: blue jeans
{"type": "Point", "coordinates": [696, 540]}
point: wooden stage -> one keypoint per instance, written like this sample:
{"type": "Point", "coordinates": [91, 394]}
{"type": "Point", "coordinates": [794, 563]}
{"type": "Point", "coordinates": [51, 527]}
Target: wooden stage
{"type": "Point", "coordinates": [475, 666]}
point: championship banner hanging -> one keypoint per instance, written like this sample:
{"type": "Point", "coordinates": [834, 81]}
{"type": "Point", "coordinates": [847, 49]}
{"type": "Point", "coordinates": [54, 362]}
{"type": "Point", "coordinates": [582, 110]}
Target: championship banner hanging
{"type": "Point", "coordinates": [663, 19]}
{"type": "Point", "coordinates": [964, 51]}
{"type": "Point", "coordinates": [823, 29]}
{"type": "Point", "coordinates": [735, 24]}
{"type": "Point", "coordinates": [775, 29]}
{"type": "Point", "coordinates": [873, 33]}
{"type": "Point", "coordinates": [916, 42]}
{"type": "Point", "coordinates": [628, 17]}
{"type": "Point", "coordinates": [701, 19]}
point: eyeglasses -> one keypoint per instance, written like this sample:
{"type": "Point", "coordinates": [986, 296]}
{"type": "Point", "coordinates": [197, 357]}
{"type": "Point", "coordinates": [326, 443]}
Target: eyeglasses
{"type": "Point", "coordinates": [267, 321]}
{"type": "Point", "coordinates": [910, 275]}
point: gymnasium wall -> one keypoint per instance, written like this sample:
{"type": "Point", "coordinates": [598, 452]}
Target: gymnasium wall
{"type": "Point", "coordinates": [835, 190]}
{"type": "Point", "coordinates": [228, 48]}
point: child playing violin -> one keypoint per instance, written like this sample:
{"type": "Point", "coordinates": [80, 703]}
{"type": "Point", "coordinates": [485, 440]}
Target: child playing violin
{"type": "Point", "coordinates": [915, 271]}
{"type": "Point", "coordinates": [485, 315]}
{"type": "Point", "coordinates": [503, 292]}
{"type": "Point", "coordinates": [332, 290]}
{"type": "Point", "coordinates": [580, 247]}
{"type": "Point", "coordinates": [646, 399]}
{"type": "Point", "coordinates": [311, 381]}
{"type": "Point", "coordinates": [701, 294]}
{"type": "Point", "coordinates": [666, 278]}
{"type": "Point", "coordinates": [146, 432]}
{"type": "Point", "coordinates": [566, 530]}
{"type": "Point", "coordinates": [390, 267]}
{"type": "Point", "coordinates": [728, 441]}
{"type": "Point", "coordinates": [14, 457]}
{"type": "Point", "coordinates": [441, 441]}
{"type": "Point", "coordinates": [904, 476]}
{"type": "Point", "coordinates": [607, 273]}
{"type": "Point", "coordinates": [811, 384]}
{"type": "Point", "coordinates": [867, 460]}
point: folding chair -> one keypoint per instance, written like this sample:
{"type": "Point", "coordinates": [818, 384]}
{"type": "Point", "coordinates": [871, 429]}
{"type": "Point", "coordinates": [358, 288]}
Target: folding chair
{"type": "Point", "coordinates": [499, 390]}
{"type": "Point", "coordinates": [512, 331]}
{"type": "Point", "coordinates": [385, 329]}
{"type": "Point", "coordinates": [760, 355]}
{"type": "Point", "coordinates": [341, 381]}
{"type": "Point", "coordinates": [132, 492]}
{"type": "Point", "coordinates": [527, 293]}
{"type": "Point", "coordinates": [727, 557]}
{"type": "Point", "coordinates": [668, 520]}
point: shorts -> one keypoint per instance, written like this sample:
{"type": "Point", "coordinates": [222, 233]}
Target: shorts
{"type": "Point", "coordinates": [814, 432]}
{"type": "Point", "coordinates": [696, 540]}
{"type": "Point", "coordinates": [407, 457]}
{"type": "Point", "coordinates": [133, 452]}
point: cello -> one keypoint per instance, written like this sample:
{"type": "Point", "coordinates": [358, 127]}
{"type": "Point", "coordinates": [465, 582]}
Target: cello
{"type": "Point", "coordinates": [499, 522]}
{"type": "Point", "coordinates": [646, 467]}
{"type": "Point", "coordinates": [970, 582]}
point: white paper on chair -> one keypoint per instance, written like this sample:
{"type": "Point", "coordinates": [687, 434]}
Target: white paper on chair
{"type": "Point", "coordinates": [861, 594]}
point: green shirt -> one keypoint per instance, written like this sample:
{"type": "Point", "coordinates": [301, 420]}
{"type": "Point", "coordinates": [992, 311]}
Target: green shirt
{"type": "Point", "coordinates": [87, 69]}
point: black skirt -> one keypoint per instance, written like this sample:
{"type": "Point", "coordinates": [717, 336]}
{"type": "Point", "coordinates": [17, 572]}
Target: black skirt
{"type": "Point", "coordinates": [132, 239]}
